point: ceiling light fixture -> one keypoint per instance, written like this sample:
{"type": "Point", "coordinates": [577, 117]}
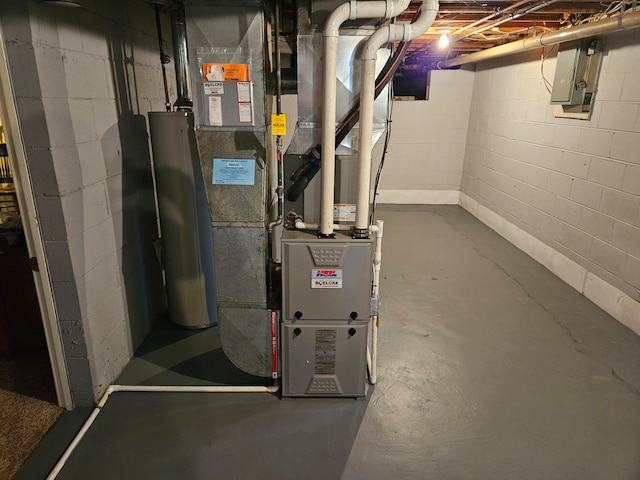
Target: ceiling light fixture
{"type": "Point", "coordinates": [443, 42]}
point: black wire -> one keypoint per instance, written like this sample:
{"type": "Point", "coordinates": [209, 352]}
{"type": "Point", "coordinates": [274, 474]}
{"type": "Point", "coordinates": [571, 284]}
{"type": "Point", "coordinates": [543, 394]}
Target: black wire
{"type": "Point", "coordinates": [382, 159]}
{"type": "Point", "coordinates": [385, 76]}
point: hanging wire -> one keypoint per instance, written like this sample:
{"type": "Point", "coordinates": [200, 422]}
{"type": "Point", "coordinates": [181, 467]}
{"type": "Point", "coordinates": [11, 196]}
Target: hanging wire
{"type": "Point", "coordinates": [547, 83]}
{"type": "Point", "coordinates": [384, 155]}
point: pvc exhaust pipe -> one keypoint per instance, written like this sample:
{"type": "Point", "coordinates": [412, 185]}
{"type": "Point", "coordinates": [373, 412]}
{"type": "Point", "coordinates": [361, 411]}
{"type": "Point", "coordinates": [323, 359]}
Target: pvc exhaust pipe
{"type": "Point", "coordinates": [388, 33]}
{"type": "Point", "coordinates": [347, 11]}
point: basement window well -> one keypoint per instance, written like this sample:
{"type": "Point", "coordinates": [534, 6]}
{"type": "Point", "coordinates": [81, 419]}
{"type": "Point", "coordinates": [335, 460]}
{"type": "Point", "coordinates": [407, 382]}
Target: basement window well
{"type": "Point", "coordinates": [411, 82]}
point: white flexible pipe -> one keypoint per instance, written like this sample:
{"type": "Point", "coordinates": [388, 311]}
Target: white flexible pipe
{"type": "Point", "coordinates": [388, 33]}
{"type": "Point", "coordinates": [347, 11]}
{"type": "Point", "coordinates": [375, 320]}
{"type": "Point", "coordinates": [148, 388]}
{"type": "Point", "coordinates": [377, 257]}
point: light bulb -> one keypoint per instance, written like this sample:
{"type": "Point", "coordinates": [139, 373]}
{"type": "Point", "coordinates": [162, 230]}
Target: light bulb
{"type": "Point", "coordinates": [444, 40]}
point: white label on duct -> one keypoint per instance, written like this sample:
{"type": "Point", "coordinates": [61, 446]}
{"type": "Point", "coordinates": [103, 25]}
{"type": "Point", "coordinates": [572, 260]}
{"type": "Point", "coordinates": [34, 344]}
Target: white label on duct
{"type": "Point", "coordinates": [244, 92]}
{"type": "Point", "coordinates": [344, 213]}
{"type": "Point", "coordinates": [213, 88]}
{"type": "Point", "coordinates": [326, 278]}
{"type": "Point", "coordinates": [215, 111]}
{"type": "Point", "coordinates": [245, 113]}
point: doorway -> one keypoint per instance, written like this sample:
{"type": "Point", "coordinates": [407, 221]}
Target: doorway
{"type": "Point", "coordinates": [22, 337]}
{"type": "Point", "coordinates": [28, 322]}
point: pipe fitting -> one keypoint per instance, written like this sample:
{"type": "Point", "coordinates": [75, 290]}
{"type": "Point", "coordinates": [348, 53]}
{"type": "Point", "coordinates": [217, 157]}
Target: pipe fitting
{"type": "Point", "coordinates": [336, 18]}
{"type": "Point", "coordinates": [353, 10]}
{"type": "Point", "coordinates": [360, 233]}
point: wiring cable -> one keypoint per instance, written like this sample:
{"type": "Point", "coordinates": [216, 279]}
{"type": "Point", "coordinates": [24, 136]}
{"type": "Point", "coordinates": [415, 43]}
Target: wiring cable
{"type": "Point", "coordinates": [547, 83]}
{"type": "Point", "coordinates": [382, 158]}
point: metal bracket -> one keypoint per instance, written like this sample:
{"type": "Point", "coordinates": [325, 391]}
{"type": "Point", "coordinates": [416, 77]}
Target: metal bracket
{"type": "Point", "coordinates": [33, 264]}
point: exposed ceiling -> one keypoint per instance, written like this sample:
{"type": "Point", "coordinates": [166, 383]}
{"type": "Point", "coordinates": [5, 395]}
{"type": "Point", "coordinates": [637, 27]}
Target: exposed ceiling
{"type": "Point", "coordinates": [476, 25]}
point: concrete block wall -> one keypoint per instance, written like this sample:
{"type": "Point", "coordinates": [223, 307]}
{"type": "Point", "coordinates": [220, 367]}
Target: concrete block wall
{"type": "Point", "coordinates": [428, 140]}
{"type": "Point", "coordinates": [84, 81]}
{"type": "Point", "coordinates": [572, 184]}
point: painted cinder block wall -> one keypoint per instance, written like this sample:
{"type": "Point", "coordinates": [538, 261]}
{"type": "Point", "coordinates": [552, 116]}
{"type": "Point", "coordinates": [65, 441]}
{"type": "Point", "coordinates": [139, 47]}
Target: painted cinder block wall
{"type": "Point", "coordinates": [84, 80]}
{"type": "Point", "coordinates": [574, 185]}
{"type": "Point", "coordinates": [428, 141]}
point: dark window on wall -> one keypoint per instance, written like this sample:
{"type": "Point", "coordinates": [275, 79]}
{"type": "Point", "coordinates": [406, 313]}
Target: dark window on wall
{"type": "Point", "coordinates": [411, 83]}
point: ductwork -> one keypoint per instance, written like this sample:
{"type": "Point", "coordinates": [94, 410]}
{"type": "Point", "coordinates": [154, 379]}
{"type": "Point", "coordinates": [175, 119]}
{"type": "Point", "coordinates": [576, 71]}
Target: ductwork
{"type": "Point", "coordinates": [180, 56]}
{"type": "Point", "coordinates": [347, 11]}
{"type": "Point", "coordinates": [386, 34]}
{"type": "Point", "coordinates": [623, 21]}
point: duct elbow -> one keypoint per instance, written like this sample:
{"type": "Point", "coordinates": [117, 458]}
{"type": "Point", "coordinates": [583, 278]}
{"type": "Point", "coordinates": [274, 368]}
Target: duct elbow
{"type": "Point", "coordinates": [422, 24]}
{"type": "Point", "coordinates": [340, 15]}
{"type": "Point", "coordinates": [377, 40]}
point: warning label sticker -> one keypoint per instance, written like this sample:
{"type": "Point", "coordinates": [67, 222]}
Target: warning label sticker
{"type": "Point", "coordinates": [344, 213]}
{"type": "Point", "coordinates": [325, 354]}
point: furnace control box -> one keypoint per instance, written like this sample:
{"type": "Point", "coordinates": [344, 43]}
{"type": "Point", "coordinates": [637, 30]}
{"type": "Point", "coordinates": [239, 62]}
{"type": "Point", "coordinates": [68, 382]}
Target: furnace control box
{"type": "Point", "coordinates": [326, 307]}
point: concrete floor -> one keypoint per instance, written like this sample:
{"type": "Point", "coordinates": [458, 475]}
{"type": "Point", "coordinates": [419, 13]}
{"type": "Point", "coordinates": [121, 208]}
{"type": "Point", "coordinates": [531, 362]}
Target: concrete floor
{"type": "Point", "coordinates": [489, 368]}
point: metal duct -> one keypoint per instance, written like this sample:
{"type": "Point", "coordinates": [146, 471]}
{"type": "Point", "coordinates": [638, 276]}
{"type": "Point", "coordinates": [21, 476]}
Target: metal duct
{"type": "Point", "coordinates": [184, 220]}
{"type": "Point", "coordinates": [624, 21]}
{"type": "Point", "coordinates": [180, 57]}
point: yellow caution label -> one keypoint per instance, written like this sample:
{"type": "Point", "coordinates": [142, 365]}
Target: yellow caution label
{"type": "Point", "coordinates": [278, 124]}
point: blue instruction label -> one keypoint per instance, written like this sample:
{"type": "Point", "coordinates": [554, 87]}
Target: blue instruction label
{"type": "Point", "coordinates": [233, 171]}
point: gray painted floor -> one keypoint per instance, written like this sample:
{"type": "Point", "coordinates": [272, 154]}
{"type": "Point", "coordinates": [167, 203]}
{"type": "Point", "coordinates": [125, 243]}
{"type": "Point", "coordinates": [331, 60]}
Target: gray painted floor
{"type": "Point", "coordinates": [489, 368]}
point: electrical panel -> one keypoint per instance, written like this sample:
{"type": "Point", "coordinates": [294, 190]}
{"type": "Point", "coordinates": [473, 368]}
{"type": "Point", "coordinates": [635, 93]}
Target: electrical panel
{"type": "Point", "coordinates": [576, 73]}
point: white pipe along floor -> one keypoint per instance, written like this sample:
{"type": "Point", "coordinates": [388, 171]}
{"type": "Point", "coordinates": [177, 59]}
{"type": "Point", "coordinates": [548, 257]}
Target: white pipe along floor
{"type": "Point", "coordinates": [489, 367]}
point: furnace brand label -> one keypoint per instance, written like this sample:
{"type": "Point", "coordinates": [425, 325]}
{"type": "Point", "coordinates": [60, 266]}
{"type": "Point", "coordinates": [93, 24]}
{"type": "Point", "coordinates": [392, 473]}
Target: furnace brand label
{"type": "Point", "coordinates": [326, 278]}
{"type": "Point", "coordinates": [213, 88]}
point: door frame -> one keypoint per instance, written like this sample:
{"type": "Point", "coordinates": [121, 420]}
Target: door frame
{"type": "Point", "coordinates": [35, 246]}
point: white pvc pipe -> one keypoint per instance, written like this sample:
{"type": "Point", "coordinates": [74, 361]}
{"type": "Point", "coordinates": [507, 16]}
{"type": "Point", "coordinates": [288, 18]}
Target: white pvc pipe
{"type": "Point", "coordinates": [388, 33]}
{"type": "Point", "coordinates": [148, 388]}
{"type": "Point", "coordinates": [328, 151]}
{"type": "Point", "coordinates": [315, 226]}
{"type": "Point", "coordinates": [377, 257]}
{"type": "Point", "coordinates": [375, 320]}
{"type": "Point", "coordinates": [363, 187]}
{"type": "Point", "coordinates": [300, 225]}
{"type": "Point", "coordinates": [373, 371]}
{"type": "Point", "coordinates": [624, 21]}
{"type": "Point", "coordinates": [347, 11]}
